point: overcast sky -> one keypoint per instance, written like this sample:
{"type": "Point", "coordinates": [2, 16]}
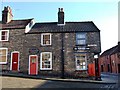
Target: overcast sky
{"type": "Point", "coordinates": [103, 14]}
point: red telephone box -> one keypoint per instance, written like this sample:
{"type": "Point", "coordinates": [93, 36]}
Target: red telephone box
{"type": "Point", "coordinates": [33, 64]}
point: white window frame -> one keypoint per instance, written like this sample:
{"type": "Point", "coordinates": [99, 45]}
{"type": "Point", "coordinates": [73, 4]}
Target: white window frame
{"type": "Point", "coordinates": [1, 35]}
{"type": "Point", "coordinates": [85, 63]}
{"type": "Point", "coordinates": [42, 39]}
{"type": "Point", "coordinates": [50, 61]}
{"type": "Point", "coordinates": [6, 55]}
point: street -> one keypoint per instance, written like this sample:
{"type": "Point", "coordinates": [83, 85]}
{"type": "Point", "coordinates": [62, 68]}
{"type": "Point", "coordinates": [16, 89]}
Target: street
{"type": "Point", "coordinates": [58, 84]}
{"type": "Point", "coordinates": [15, 82]}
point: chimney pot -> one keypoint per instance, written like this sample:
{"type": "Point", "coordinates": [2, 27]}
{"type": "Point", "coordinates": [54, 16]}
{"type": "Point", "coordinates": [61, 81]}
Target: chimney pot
{"type": "Point", "coordinates": [60, 16]}
{"type": "Point", "coordinates": [58, 9]}
{"type": "Point", "coordinates": [7, 15]}
{"type": "Point", "coordinates": [61, 9]}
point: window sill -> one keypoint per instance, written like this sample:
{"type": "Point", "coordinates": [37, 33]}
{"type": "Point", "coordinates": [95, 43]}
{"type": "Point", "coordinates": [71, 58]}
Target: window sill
{"type": "Point", "coordinates": [80, 45]}
{"type": "Point", "coordinates": [4, 40]}
{"type": "Point", "coordinates": [45, 45]}
{"type": "Point", "coordinates": [3, 63]}
{"type": "Point", "coordinates": [81, 70]}
{"type": "Point", "coordinates": [45, 69]}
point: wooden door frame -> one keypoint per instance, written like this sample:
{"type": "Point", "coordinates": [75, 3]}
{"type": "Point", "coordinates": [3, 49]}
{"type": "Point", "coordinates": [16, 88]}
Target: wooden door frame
{"type": "Point", "coordinates": [36, 65]}
{"type": "Point", "coordinates": [12, 58]}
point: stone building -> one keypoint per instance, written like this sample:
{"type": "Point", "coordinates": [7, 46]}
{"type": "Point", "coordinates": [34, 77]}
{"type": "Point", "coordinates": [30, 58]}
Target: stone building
{"type": "Point", "coordinates": [52, 48]}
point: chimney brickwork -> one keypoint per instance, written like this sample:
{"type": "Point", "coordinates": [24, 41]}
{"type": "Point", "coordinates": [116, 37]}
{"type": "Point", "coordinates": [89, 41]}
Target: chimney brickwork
{"type": "Point", "coordinates": [60, 16]}
{"type": "Point", "coordinates": [7, 15]}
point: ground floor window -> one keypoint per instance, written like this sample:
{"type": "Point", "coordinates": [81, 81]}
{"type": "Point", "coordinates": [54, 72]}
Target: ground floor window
{"type": "Point", "coordinates": [3, 55]}
{"type": "Point", "coordinates": [46, 61]}
{"type": "Point", "coordinates": [81, 62]}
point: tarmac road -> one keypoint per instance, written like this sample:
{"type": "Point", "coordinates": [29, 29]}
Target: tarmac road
{"type": "Point", "coordinates": [59, 84]}
{"type": "Point", "coordinates": [16, 82]}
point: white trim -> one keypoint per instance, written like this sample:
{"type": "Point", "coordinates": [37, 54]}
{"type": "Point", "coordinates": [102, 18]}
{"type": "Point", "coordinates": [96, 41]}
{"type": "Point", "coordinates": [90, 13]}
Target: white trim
{"type": "Point", "coordinates": [12, 58]}
{"type": "Point", "coordinates": [36, 65]}
{"type": "Point", "coordinates": [7, 35]}
{"type": "Point", "coordinates": [42, 39]}
{"type": "Point", "coordinates": [50, 61]}
{"type": "Point", "coordinates": [85, 63]}
{"type": "Point", "coordinates": [61, 24]}
{"type": "Point", "coordinates": [6, 56]}
{"type": "Point", "coordinates": [27, 28]}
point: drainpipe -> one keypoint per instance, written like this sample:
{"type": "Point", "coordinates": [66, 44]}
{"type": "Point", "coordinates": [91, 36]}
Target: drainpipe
{"type": "Point", "coordinates": [110, 64]}
{"type": "Point", "coordinates": [97, 72]}
{"type": "Point", "coordinates": [62, 54]}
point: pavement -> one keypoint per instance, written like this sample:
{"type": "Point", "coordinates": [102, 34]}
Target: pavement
{"type": "Point", "coordinates": [106, 78]}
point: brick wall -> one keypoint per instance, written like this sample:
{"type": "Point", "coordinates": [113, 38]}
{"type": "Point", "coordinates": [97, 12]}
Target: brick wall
{"type": "Point", "coordinates": [112, 60]}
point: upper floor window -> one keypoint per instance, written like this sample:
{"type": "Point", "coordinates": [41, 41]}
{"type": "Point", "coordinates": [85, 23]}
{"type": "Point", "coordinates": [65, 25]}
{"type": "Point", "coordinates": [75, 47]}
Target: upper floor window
{"type": "Point", "coordinates": [46, 39]}
{"type": "Point", "coordinates": [3, 55]}
{"type": "Point", "coordinates": [80, 38]}
{"type": "Point", "coordinates": [4, 35]}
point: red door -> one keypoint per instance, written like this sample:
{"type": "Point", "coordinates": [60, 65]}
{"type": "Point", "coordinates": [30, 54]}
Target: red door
{"type": "Point", "coordinates": [15, 61]}
{"type": "Point", "coordinates": [33, 64]}
{"type": "Point", "coordinates": [91, 69]}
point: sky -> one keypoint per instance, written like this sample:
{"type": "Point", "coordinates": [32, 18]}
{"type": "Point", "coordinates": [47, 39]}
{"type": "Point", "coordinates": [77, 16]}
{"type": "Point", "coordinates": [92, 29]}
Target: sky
{"type": "Point", "coordinates": [103, 14]}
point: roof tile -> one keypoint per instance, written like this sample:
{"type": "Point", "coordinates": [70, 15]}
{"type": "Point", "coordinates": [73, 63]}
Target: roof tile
{"type": "Point", "coordinates": [68, 27]}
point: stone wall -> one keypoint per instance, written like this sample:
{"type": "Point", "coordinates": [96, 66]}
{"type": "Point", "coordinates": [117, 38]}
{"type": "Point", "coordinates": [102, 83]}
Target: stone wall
{"type": "Point", "coordinates": [19, 41]}
{"type": "Point", "coordinates": [15, 43]}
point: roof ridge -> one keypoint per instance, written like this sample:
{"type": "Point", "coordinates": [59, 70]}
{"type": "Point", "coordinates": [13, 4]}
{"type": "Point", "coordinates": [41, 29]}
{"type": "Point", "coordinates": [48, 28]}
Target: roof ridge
{"type": "Point", "coordinates": [44, 22]}
{"type": "Point", "coordinates": [65, 22]}
{"type": "Point", "coordinates": [22, 19]}
{"type": "Point", "coordinates": [110, 50]}
{"type": "Point", "coordinates": [78, 21]}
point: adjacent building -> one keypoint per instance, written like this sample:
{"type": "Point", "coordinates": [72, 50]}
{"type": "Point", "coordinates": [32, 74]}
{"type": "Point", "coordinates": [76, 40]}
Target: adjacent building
{"type": "Point", "coordinates": [51, 48]}
{"type": "Point", "coordinates": [110, 60]}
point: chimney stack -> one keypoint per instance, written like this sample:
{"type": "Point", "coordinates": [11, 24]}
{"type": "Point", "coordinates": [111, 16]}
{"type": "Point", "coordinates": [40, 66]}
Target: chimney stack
{"type": "Point", "coordinates": [60, 16]}
{"type": "Point", "coordinates": [7, 15]}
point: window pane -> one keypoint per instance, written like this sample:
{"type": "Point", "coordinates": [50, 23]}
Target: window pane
{"type": "Point", "coordinates": [3, 38]}
{"type": "Point", "coordinates": [46, 39]}
{"type": "Point", "coordinates": [3, 56]}
{"type": "Point", "coordinates": [4, 52]}
{"type": "Point", "coordinates": [81, 62]}
{"type": "Point", "coordinates": [80, 35]}
{"type": "Point", "coordinates": [4, 35]}
{"type": "Point", "coordinates": [3, 59]}
{"type": "Point", "coordinates": [46, 60]}
{"type": "Point", "coordinates": [46, 42]}
{"type": "Point", "coordinates": [84, 67]}
{"type": "Point", "coordinates": [80, 42]}
{"type": "Point", "coordinates": [80, 38]}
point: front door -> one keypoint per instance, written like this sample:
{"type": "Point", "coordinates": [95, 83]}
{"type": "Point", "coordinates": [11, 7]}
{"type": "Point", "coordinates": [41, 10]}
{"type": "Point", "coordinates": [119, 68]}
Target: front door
{"type": "Point", "coordinates": [33, 64]}
{"type": "Point", "coordinates": [15, 61]}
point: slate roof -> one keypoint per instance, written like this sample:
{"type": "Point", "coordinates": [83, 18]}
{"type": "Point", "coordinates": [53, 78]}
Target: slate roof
{"type": "Point", "coordinates": [110, 51]}
{"type": "Point", "coordinates": [15, 24]}
{"type": "Point", "coordinates": [68, 27]}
